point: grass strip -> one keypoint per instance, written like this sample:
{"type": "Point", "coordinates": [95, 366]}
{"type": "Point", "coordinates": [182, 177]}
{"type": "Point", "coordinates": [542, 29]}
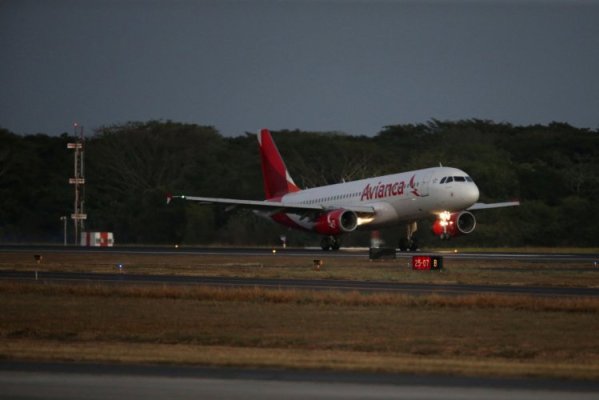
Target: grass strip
{"type": "Point", "coordinates": [293, 296]}
{"type": "Point", "coordinates": [474, 335]}
{"type": "Point", "coordinates": [228, 356]}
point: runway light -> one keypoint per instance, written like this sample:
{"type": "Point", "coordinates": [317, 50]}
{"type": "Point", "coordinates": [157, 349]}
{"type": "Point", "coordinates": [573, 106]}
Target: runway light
{"type": "Point", "coordinates": [274, 251]}
{"type": "Point", "coordinates": [317, 264]}
{"type": "Point", "coordinates": [455, 250]}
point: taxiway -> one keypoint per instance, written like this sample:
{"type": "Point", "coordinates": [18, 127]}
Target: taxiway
{"type": "Point", "coordinates": [101, 381]}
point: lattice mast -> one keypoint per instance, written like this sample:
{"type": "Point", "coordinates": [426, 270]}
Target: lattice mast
{"type": "Point", "coordinates": [78, 182]}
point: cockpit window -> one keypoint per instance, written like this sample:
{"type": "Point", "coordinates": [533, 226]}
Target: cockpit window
{"type": "Point", "coordinates": [448, 179]}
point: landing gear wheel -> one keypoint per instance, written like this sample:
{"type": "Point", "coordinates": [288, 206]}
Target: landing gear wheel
{"type": "Point", "coordinates": [330, 243]}
{"type": "Point", "coordinates": [413, 245]}
{"type": "Point", "coordinates": [409, 242]}
{"type": "Point", "coordinates": [336, 245]}
{"type": "Point", "coordinates": [406, 244]}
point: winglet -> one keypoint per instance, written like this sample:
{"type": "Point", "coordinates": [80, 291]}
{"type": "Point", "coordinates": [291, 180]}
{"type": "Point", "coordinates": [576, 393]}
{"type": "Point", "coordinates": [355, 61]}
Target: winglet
{"type": "Point", "coordinates": [277, 181]}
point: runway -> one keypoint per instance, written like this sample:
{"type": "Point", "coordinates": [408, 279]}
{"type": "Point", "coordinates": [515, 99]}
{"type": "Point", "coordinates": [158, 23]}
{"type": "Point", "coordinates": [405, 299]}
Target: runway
{"type": "Point", "coordinates": [300, 284]}
{"type": "Point", "coordinates": [359, 252]}
{"type": "Point", "coordinates": [101, 381]}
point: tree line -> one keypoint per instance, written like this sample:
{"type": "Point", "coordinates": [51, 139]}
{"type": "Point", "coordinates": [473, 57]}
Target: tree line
{"type": "Point", "coordinates": [553, 169]}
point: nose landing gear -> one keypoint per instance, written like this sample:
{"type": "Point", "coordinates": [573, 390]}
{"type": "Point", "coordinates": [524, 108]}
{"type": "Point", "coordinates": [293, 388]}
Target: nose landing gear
{"type": "Point", "coordinates": [409, 242]}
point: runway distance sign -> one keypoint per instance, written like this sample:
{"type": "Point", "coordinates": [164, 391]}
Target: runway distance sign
{"type": "Point", "coordinates": [427, 263]}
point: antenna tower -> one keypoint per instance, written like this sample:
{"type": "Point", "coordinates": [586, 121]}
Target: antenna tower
{"type": "Point", "coordinates": [78, 182]}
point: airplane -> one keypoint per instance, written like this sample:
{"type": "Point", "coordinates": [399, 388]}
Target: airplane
{"type": "Point", "coordinates": [366, 204]}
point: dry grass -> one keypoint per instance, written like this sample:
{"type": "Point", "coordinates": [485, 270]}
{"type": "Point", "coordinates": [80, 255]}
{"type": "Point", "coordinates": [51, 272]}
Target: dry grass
{"type": "Point", "coordinates": [476, 335]}
{"type": "Point", "coordinates": [482, 334]}
{"type": "Point", "coordinates": [299, 297]}
{"type": "Point", "coordinates": [210, 355]}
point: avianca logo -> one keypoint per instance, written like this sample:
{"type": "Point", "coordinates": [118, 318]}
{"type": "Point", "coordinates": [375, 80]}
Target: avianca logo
{"type": "Point", "coordinates": [413, 187]}
{"type": "Point", "coordinates": [382, 190]}
{"type": "Point", "coordinates": [331, 222]}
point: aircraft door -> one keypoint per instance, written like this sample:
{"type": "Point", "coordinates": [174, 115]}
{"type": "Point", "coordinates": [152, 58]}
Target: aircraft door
{"type": "Point", "coordinates": [424, 183]}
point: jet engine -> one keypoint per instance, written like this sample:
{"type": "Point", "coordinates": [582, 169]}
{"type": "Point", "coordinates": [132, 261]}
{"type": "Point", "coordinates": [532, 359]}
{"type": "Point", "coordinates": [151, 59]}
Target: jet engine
{"type": "Point", "coordinates": [336, 222]}
{"type": "Point", "coordinates": [449, 225]}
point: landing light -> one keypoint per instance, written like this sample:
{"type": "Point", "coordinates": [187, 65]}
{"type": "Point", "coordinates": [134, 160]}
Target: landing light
{"type": "Point", "coordinates": [444, 218]}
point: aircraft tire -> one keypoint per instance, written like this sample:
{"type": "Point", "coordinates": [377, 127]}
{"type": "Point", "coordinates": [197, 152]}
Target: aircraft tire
{"type": "Point", "coordinates": [329, 243]}
{"type": "Point", "coordinates": [403, 244]}
{"type": "Point", "coordinates": [413, 245]}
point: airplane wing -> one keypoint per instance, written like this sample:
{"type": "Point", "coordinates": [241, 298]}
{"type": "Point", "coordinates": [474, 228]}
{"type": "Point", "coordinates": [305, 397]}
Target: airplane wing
{"type": "Point", "coordinates": [483, 206]}
{"type": "Point", "coordinates": [272, 206]}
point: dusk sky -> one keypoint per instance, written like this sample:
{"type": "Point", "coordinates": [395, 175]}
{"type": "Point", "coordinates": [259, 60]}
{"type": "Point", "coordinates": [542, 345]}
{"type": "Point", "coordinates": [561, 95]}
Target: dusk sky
{"type": "Point", "coordinates": [349, 66]}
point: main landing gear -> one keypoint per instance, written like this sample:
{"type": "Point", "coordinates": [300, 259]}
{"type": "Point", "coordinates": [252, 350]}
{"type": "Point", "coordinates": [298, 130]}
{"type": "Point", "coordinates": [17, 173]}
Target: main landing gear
{"type": "Point", "coordinates": [330, 243]}
{"type": "Point", "coordinates": [409, 242]}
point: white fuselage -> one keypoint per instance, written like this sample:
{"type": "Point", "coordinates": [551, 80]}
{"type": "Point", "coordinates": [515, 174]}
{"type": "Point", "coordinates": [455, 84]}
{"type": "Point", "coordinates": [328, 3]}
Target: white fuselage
{"type": "Point", "coordinates": [396, 198]}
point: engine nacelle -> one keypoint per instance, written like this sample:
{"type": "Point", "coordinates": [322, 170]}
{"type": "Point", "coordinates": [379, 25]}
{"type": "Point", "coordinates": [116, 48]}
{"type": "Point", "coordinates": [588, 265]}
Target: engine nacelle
{"type": "Point", "coordinates": [336, 222]}
{"type": "Point", "coordinates": [449, 225]}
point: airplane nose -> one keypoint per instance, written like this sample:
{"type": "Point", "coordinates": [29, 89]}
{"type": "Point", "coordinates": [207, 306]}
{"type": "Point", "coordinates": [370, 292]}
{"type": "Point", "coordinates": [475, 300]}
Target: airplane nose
{"type": "Point", "coordinates": [472, 193]}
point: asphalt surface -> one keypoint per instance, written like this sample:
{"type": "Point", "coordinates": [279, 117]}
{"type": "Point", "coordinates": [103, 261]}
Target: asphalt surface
{"type": "Point", "coordinates": [41, 381]}
{"type": "Point", "coordinates": [300, 252]}
{"type": "Point", "coordinates": [303, 284]}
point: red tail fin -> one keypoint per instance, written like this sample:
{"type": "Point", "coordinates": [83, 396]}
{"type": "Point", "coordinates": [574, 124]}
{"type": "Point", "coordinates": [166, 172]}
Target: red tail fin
{"type": "Point", "coordinates": [277, 181]}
